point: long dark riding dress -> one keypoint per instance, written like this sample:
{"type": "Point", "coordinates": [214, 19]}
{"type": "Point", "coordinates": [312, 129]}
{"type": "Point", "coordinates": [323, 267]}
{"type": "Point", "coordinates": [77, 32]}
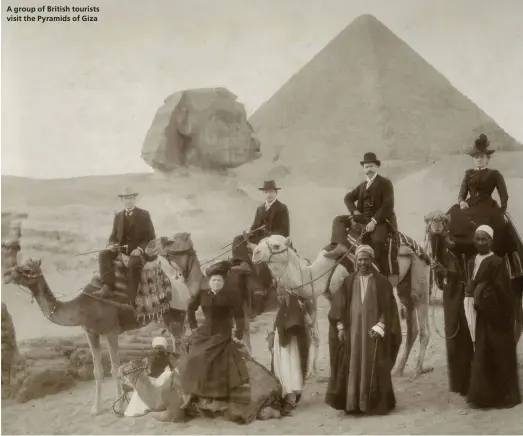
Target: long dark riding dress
{"type": "Point", "coordinates": [213, 367]}
{"type": "Point", "coordinates": [478, 186]}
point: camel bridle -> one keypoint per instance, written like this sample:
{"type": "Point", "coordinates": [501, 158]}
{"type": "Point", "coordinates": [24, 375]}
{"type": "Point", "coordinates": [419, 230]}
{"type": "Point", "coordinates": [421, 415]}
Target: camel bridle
{"type": "Point", "coordinates": [275, 253]}
{"type": "Point", "coordinates": [190, 252]}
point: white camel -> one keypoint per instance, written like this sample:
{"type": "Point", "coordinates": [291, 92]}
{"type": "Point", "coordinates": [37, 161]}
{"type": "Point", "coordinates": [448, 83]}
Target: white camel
{"type": "Point", "coordinates": [325, 276]}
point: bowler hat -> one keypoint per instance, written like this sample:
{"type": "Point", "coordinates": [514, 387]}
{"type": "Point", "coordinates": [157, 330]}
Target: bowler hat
{"type": "Point", "coordinates": [127, 192]}
{"type": "Point", "coordinates": [269, 185]}
{"type": "Point", "coordinates": [370, 158]}
{"type": "Point", "coordinates": [480, 146]}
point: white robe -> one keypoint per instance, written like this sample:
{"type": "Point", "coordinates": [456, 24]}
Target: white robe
{"type": "Point", "coordinates": [287, 365]}
{"type": "Point", "coordinates": [136, 406]}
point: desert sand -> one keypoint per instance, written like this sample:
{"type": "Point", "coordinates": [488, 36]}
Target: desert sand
{"type": "Point", "coordinates": [67, 217]}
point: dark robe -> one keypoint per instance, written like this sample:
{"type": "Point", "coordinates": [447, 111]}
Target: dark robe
{"type": "Point", "coordinates": [494, 378]}
{"type": "Point", "coordinates": [213, 366]}
{"type": "Point", "coordinates": [457, 336]}
{"type": "Point", "coordinates": [360, 379]}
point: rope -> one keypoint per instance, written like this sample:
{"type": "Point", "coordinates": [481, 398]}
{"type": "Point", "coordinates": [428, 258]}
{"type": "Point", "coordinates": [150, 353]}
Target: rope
{"type": "Point", "coordinates": [124, 397]}
{"type": "Point", "coordinates": [321, 275]}
{"type": "Point", "coordinates": [230, 249]}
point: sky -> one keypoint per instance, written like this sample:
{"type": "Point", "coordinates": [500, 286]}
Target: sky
{"type": "Point", "coordinates": [78, 98]}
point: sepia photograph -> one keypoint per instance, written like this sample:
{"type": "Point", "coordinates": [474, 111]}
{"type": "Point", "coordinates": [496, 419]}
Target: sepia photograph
{"type": "Point", "coordinates": [262, 217]}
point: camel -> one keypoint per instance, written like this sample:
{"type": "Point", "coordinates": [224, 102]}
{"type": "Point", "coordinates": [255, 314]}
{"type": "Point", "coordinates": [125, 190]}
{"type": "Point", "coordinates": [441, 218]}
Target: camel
{"type": "Point", "coordinates": [98, 317]}
{"type": "Point", "coordinates": [182, 254]}
{"type": "Point", "coordinates": [325, 276]}
{"type": "Point", "coordinates": [166, 398]}
{"type": "Point", "coordinates": [446, 257]}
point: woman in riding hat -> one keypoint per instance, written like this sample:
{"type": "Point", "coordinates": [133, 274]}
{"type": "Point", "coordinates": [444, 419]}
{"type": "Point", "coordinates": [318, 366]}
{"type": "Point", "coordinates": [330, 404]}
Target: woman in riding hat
{"type": "Point", "coordinates": [213, 366]}
{"type": "Point", "coordinates": [475, 197]}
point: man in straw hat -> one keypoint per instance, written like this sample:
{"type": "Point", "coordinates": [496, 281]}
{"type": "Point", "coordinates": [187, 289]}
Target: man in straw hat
{"type": "Point", "coordinates": [490, 312]}
{"type": "Point", "coordinates": [374, 207]}
{"type": "Point", "coordinates": [271, 218]}
{"type": "Point", "coordinates": [364, 340]}
{"type": "Point", "coordinates": [132, 231]}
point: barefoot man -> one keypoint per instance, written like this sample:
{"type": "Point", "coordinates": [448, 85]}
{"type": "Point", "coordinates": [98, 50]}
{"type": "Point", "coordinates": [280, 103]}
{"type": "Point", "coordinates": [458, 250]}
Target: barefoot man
{"type": "Point", "coordinates": [364, 350]}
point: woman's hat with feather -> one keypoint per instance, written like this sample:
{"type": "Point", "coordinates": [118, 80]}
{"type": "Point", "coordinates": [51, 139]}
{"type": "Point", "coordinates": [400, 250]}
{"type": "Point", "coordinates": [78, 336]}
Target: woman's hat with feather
{"type": "Point", "coordinates": [481, 145]}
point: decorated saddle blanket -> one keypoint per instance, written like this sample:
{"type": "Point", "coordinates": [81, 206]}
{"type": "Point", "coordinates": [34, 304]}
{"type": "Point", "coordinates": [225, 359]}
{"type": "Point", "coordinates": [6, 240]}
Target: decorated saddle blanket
{"type": "Point", "coordinates": [154, 294]}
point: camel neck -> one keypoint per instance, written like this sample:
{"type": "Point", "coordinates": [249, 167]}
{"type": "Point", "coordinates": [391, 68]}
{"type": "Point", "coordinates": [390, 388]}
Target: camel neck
{"type": "Point", "coordinates": [60, 313]}
{"type": "Point", "coordinates": [309, 281]}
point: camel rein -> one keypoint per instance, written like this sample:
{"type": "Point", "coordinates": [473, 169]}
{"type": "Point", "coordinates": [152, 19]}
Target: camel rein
{"type": "Point", "coordinates": [310, 282]}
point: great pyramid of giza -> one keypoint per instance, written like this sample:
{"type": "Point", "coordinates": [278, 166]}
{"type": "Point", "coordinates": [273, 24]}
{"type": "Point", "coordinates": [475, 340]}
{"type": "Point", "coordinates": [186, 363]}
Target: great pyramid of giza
{"type": "Point", "coordinates": [367, 90]}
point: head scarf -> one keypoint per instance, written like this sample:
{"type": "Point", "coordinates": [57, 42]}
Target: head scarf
{"type": "Point", "coordinates": [487, 229]}
{"type": "Point", "coordinates": [160, 342]}
{"type": "Point", "coordinates": [365, 249]}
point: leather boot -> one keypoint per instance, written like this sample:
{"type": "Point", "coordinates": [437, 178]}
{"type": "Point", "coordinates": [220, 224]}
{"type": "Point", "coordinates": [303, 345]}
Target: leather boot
{"type": "Point", "coordinates": [338, 251]}
{"type": "Point", "coordinates": [105, 292]}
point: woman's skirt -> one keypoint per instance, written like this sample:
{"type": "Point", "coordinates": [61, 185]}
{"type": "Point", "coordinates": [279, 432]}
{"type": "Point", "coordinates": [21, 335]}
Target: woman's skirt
{"type": "Point", "coordinates": [213, 367]}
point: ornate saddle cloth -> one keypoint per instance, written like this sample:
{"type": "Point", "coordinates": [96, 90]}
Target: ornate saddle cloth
{"type": "Point", "coordinates": [154, 291]}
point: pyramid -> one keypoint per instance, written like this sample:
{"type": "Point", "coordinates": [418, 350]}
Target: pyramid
{"type": "Point", "coordinates": [367, 90]}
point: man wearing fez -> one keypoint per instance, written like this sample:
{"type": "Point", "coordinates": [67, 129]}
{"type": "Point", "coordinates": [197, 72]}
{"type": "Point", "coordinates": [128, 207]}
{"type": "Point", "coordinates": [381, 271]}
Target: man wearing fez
{"type": "Point", "coordinates": [132, 231]}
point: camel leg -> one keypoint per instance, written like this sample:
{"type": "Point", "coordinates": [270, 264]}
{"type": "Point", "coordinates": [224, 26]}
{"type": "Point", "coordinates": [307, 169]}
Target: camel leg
{"type": "Point", "coordinates": [422, 312]}
{"type": "Point", "coordinates": [98, 371]}
{"type": "Point", "coordinates": [412, 333]}
{"type": "Point", "coordinates": [420, 288]}
{"type": "Point", "coordinates": [114, 355]}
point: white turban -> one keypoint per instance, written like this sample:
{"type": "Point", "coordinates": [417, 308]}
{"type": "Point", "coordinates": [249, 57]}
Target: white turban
{"type": "Point", "coordinates": [487, 229]}
{"type": "Point", "coordinates": [160, 342]}
{"type": "Point", "coordinates": [365, 249]}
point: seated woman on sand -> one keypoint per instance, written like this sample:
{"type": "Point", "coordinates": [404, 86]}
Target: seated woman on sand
{"type": "Point", "coordinates": [160, 369]}
{"type": "Point", "coordinates": [213, 367]}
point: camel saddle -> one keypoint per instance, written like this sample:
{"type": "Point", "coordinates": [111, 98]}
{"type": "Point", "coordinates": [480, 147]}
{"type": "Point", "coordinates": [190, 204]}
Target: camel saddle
{"type": "Point", "coordinates": [397, 245]}
{"type": "Point", "coordinates": [154, 291]}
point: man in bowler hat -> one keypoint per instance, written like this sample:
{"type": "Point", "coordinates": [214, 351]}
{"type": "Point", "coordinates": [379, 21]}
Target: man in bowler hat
{"type": "Point", "coordinates": [374, 207]}
{"type": "Point", "coordinates": [132, 231]}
